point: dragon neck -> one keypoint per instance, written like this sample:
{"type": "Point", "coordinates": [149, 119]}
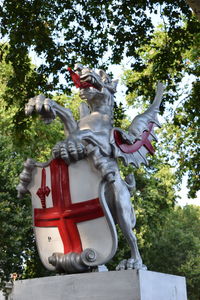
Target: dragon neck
{"type": "Point", "coordinates": [104, 107]}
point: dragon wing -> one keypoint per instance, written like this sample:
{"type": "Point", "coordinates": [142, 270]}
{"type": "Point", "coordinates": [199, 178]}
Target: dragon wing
{"type": "Point", "coordinates": [133, 146]}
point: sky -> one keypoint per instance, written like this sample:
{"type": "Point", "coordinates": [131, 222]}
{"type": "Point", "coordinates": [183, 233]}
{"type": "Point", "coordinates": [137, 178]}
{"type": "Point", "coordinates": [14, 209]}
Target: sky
{"type": "Point", "coordinates": [183, 194]}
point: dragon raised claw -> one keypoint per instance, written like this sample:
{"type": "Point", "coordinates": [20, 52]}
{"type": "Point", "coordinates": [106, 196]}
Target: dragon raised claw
{"type": "Point", "coordinates": [94, 136]}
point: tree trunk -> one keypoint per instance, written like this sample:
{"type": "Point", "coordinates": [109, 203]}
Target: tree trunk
{"type": "Point", "coordinates": [195, 6]}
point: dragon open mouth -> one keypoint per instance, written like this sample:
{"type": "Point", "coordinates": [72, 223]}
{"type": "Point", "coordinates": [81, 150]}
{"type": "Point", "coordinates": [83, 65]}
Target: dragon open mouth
{"type": "Point", "coordinates": [92, 80]}
{"type": "Point", "coordinates": [85, 81]}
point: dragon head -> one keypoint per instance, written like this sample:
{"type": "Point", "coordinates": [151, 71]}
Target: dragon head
{"type": "Point", "coordinates": [95, 86]}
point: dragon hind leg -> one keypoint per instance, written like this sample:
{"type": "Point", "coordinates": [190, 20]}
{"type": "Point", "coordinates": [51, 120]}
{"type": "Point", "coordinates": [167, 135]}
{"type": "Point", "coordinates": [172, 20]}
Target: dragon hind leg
{"type": "Point", "coordinates": [125, 218]}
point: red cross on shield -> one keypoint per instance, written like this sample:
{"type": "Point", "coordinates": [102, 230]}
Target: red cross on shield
{"type": "Point", "coordinates": [68, 216]}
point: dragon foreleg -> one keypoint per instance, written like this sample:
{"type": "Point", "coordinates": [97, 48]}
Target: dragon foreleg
{"type": "Point", "coordinates": [49, 109]}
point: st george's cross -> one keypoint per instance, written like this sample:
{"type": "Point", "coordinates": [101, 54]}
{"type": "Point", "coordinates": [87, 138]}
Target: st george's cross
{"type": "Point", "coordinates": [64, 214]}
{"type": "Point", "coordinates": [67, 213]}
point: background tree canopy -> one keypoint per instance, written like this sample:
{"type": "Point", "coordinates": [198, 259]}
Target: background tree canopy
{"type": "Point", "coordinates": [66, 31]}
{"type": "Point", "coordinates": [99, 33]}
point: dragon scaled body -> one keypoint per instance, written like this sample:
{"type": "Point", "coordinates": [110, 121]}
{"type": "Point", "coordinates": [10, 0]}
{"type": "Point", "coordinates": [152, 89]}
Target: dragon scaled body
{"type": "Point", "coordinates": [94, 137]}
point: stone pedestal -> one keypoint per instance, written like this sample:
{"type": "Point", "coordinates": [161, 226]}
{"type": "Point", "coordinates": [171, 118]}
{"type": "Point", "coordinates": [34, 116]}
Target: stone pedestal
{"type": "Point", "coordinates": [1, 296]}
{"type": "Point", "coordinates": [114, 285]}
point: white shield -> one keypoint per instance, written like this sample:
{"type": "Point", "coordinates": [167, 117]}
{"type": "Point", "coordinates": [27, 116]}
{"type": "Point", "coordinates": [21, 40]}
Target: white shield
{"type": "Point", "coordinates": [68, 212]}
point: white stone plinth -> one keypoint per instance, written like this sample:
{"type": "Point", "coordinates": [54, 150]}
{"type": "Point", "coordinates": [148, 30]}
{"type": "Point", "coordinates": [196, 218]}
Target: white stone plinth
{"type": "Point", "coordinates": [114, 285]}
{"type": "Point", "coordinates": [1, 296]}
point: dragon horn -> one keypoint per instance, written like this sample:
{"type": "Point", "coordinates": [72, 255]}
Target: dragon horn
{"type": "Point", "coordinates": [158, 98]}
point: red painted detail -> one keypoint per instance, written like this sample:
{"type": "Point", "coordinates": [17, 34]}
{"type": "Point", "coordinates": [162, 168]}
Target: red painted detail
{"type": "Point", "coordinates": [126, 148]}
{"type": "Point", "coordinates": [44, 190]}
{"type": "Point", "coordinates": [64, 214]}
{"type": "Point", "coordinates": [77, 81]}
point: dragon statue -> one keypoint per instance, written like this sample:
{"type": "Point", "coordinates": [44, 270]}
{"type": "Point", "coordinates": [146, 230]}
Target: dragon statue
{"type": "Point", "coordinates": [94, 138]}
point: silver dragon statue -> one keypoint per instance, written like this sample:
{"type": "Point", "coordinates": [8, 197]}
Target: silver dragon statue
{"type": "Point", "coordinates": [94, 139]}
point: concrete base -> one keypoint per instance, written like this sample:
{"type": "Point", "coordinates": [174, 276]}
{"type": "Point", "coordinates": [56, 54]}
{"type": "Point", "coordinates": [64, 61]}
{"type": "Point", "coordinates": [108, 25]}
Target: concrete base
{"type": "Point", "coordinates": [114, 285]}
{"type": "Point", "coordinates": [2, 296]}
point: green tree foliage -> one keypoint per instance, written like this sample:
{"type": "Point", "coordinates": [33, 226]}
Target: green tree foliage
{"type": "Point", "coordinates": [175, 248]}
{"type": "Point", "coordinates": [65, 31]}
{"type": "Point", "coordinates": [119, 114]}
{"type": "Point", "coordinates": [17, 245]}
{"type": "Point", "coordinates": [13, 214]}
{"type": "Point", "coordinates": [181, 134]}
{"type": "Point", "coordinates": [62, 32]}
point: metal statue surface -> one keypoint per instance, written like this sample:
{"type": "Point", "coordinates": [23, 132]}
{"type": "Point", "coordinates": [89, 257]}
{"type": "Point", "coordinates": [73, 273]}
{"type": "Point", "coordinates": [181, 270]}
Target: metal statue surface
{"type": "Point", "coordinates": [94, 144]}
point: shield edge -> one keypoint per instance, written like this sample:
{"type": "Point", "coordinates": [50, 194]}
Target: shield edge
{"type": "Point", "coordinates": [23, 188]}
